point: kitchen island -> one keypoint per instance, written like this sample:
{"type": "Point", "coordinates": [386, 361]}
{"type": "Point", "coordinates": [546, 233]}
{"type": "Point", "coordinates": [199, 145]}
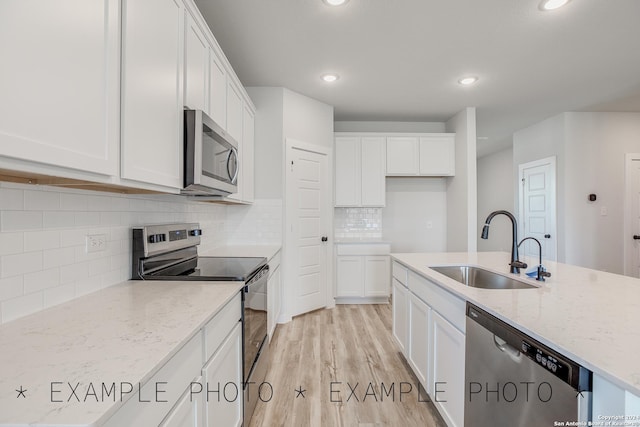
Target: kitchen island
{"type": "Point", "coordinates": [589, 316]}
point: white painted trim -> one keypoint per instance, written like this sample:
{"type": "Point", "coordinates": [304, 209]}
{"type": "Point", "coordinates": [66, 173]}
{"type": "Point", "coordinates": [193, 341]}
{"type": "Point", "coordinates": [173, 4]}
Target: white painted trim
{"type": "Point", "coordinates": [541, 162]}
{"type": "Point", "coordinates": [288, 264]}
{"type": "Point", "coordinates": [627, 229]}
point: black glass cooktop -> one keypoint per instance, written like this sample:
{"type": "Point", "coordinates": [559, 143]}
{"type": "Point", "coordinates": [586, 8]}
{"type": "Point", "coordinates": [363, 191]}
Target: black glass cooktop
{"type": "Point", "coordinates": [213, 268]}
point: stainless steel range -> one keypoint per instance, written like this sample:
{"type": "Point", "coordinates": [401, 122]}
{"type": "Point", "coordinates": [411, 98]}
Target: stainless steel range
{"type": "Point", "coordinates": [170, 252]}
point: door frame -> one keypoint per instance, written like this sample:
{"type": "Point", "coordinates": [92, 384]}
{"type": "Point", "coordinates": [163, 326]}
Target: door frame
{"type": "Point", "coordinates": [547, 160]}
{"type": "Point", "coordinates": [289, 212]}
{"type": "Point", "coordinates": [627, 229]}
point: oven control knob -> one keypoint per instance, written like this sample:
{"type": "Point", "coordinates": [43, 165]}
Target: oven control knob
{"type": "Point", "coordinates": [196, 232]}
{"type": "Point", "coordinates": [152, 238]}
{"type": "Point", "coordinates": [163, 237]}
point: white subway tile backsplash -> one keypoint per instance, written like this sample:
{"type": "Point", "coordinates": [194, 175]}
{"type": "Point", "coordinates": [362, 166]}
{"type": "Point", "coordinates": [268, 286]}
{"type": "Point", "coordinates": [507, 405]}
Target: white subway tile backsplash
{"type": "Point", "coordinates": [11, 287]}
{"type": "Point", "coordinates": [55, 219]}
{"type": "Point", "coordinates": [40, 280]}
{"type": "Point", "coordinates": [59, 294]}
{"type": "Point", "coordinates": [11, 199]}
{"type": "Point", "coordinates": [11, 243]}
{"type": "Point", "coordinates": [99, 266]}
{"type": "Point", "coordinates": [87, 219]}
{"type": "Point", "coordinates": [21, 306]}
{"type": "Point", "coordinates": [358, 222]}
{"type": "Point", "coordinates": [57, 257]}
{"type": "Point", "coordinates": [19, 264]}
{"type": "Point", "coordinates": [39, 240]}
{"type": "Point", "coordinates": [20, 220]}
{"type": "Point", "coordinates": [73, 272]}
{"type": "Point", "coordinates": [41, 200]}
{"type": "Point", "coordinates": [74, 237]}
{"type": "Point", "coordinates": [73, 202]}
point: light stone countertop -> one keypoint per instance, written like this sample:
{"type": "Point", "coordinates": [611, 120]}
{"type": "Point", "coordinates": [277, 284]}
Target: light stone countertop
{"type": "Point", "coordinates": [122, 333]}
{"type": "Point", "coordinates": [590, 316]}
{"type": "Point", "coordinates": [266, 251]}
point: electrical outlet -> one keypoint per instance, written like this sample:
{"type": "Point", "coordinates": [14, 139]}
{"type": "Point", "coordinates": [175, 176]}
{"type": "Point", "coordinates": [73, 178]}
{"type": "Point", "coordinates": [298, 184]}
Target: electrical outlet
{"type": "Point", "coordinates": [96, 243]}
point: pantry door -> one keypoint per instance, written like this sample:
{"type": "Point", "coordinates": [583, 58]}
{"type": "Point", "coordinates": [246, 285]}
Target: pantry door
{"type": "Point", "coordinates": [308, 227]}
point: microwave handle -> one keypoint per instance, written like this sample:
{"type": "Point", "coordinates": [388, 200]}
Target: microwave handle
{"type": "Point", "coordinates": [233, 153]}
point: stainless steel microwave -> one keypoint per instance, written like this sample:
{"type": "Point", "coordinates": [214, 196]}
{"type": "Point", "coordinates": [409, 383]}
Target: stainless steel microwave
{"type": "Point", "coordinates": [210, 157]}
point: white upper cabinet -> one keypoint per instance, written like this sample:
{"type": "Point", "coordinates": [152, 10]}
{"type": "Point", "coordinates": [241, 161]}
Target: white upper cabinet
{"type": "Point", "coordinates": [152, 91]}
{"type": "Point", "coordinates": [402, 156]}
{"type": "Point", "coordinates": [421, 155]}
{"type": "Point", "coordinates": [60, 83]}
{"type": "Point", "coordinates": [217, 90]}
{"type": "Point", "coordinates": [347, 171]}
{"type": "Point", "coordinates": [359, 171]}
{"type": "Point", "coordinates": [438, 155]}
{"type": "Point", "coordinates": [196, 63]}
{"type": "Point", "coordinates": [248, 156]}
{"type": "Point", "coordinates": [234, 111]}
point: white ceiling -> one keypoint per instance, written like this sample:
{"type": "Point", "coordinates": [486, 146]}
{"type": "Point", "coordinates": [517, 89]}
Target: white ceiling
{"type": "Point", "coordinates": [399, 60]}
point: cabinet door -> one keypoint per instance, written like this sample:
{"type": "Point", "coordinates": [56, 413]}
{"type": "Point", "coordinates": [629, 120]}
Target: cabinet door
{"type": "Point", "coordinates": [400, 301]}
{"type": "Point", "coordinates": [373, 171]}
{"type": "Point", "coordinates": [248, 160]}
{"type": "Point", "coordinates": [223, 377]}
{"type": "Point", "coordinates": [152, 91]}
{"type": "Point", "coordinates": [347, 175]}
{"type": "Point", "coordinates": [234, 111]}
{"type": "Point", "coordinates": [349, 280]}
{"type": "Point", "coordinates": [376, 276]}
{"type": "Point", "coordinates": [217, 90]}
{"type": "Point", "coordinates": [188, 410]}
{"type": "Point", "coordinates": [196, 73]}
{"type": "Point", "coordinates": [419, 359]}
{"type": "Point", "coordinates": [60, 91]}
{"type": "Point", "coordinates": [448, 370]}
{"type": "Point", "coordinates": [438, 155]}
{"type": "Point", "coordinates": [402, 156]}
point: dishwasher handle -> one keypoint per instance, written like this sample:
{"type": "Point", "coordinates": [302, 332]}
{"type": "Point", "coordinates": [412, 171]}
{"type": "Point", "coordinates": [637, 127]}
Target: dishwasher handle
{"type": "Point", "coordinates": [513, 353]}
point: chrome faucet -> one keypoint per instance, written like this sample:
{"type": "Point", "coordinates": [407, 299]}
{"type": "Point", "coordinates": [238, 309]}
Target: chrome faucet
{"type": "Point", "coordinates": [542, 273]}
{"type": "Point", "coordinates": [515, 263]}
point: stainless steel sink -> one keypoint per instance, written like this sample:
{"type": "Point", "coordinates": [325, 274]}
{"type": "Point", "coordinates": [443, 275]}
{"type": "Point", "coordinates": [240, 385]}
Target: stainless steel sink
{"type": "Point", "coordinates": [481, 278]}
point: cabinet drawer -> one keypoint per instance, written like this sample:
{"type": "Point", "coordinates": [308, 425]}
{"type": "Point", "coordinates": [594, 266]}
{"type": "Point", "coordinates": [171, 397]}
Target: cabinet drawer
{"type": "Point", "coordinates": [448, 305]}
{"type": "Point", "coordinates": [216, 330]}
{"type": "Point", "coordinates": [363, 249]}
{"type": "Point", "coordinates": [400, 272]}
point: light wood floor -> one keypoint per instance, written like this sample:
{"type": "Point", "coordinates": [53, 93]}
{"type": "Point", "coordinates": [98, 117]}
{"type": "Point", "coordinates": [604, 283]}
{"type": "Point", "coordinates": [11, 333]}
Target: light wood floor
{"type": "Point", "coordinates": [352, 347]}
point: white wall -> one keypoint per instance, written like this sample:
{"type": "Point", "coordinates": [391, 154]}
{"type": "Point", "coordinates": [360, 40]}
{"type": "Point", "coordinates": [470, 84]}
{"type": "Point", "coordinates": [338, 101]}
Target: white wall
{"type": "Point", "coordinates": [308, 120]}
{"type": "Point", "coordinates": [43, 257]}
{"type": "Point", "coordinates": [590, 150]}
{"type": "Point", "coordinates": [359, 126]}
{"type": "Point", "coordinates": [462, 208]}
{"type": "Point", "coordinates": [411, 204]}
{"type": "Point", "coordinates": [495, 192]}
{"type": "Point", "coordinates": [269, 142]}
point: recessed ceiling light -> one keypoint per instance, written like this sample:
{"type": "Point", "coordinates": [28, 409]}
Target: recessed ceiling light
{"type": "Point", "coordinates": [335, 2]}
{"type": "Point", "coordinates": [330, 77]}
{"type": "Point", "coordinates": [468, 81]}
{"type": "Point", "coordinates": [552, 4]}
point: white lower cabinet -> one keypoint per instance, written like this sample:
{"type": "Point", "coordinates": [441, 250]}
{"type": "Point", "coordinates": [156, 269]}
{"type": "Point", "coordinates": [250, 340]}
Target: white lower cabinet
{"type": "Point", "coordinates": [184, 393]}
{"type": "Point", "coordinates": [222, 387]}
{"type": "Point", "coordinates": [429, 324]}
{"type": "Point", "coordinates": [447, 379]}
{"type": "Point", "coordinates": [187, 412]}
{"type": "Point", "coordinates": [419, 314]}
{"type": "Point", "coordinates": [612, 400]}
{"type": "Point", "coordinates": [363, 272]}
{"type": "Point", "coordinates": [401, 315]}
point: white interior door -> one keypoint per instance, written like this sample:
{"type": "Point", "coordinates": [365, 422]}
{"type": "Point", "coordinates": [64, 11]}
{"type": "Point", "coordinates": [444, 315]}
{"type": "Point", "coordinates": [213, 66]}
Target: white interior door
{"type": "Point", "coordinates": [632, 214]}
{"type": "Point", "coordinates": [538, 207]}
{"type": "Point", "coordinates": [307, 226]}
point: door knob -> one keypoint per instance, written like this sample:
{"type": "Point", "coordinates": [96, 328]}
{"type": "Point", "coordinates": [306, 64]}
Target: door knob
{"type": "Point", "coordinates": [547, 236]}
{"type": "Point", "coordinates": [636, 237]}
{"type": "Point", "coordinates": [325, 238]}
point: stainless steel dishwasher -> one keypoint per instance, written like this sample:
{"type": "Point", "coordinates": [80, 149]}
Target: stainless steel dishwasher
{"type": "Point", "coordinates": [514, 380]}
